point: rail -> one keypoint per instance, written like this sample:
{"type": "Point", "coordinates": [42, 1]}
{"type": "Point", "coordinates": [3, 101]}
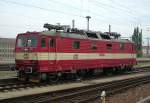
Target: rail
{"type": "Point", "coordinates": [81, 94]}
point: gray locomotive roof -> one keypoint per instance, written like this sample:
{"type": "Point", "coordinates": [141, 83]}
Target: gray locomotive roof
{"type": "Point", "coordinates": [64, 34]}
{"type": "Point", "coordinates": [79, 35]}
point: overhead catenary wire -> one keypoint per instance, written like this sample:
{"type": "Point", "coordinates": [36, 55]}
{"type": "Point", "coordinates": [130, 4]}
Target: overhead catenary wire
{"type": "Point", "coordinates": [18, 27]}
{"type": "Point", "coordinates": [132, 11]}
{"type": "Point", "coordinates": [105, 6]}
{"type": "Point", "coordinates": [98, 17]}
{"type": "Point", "coordinates": [41, 8]}
{"type": "Point", "coordinates": [67, 5]}
{"type": "Point", "coordinates": [47, 9]}
{"type": "Point", "coordinates": [113, 7]}
{"type": "Point", "coordinates": [37, 7]}
{"type": "Point", "coordinates": [28, 17]}
{"type": "Point", "coordinates": [50, 10]}
{"type": "Point", "coordinates": [129, 10]}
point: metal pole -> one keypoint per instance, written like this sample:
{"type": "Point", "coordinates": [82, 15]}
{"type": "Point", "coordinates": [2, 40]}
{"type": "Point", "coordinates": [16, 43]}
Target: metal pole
{"type": "Point", "coordinates": [73, 23]}
{"type": "Point", "coordinates": [88, 17]}
{"type": "Point", "coordinates": [148, 46]}
{"type": "Point", "coordinates": [109, 28]}
{"type": "Point", "coordinates": [148, 43]}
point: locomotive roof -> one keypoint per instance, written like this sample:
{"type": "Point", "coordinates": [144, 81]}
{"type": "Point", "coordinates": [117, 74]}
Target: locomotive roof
{"type": "Point", "coordinates": [83, 35]}
{"type": "Point", "coordinates": [64, 34]}
{"type": "Point", "coordinates": [66, 31]}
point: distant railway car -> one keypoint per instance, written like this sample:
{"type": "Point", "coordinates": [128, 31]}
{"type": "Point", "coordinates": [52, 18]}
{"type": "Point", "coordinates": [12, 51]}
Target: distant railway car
{"type": "Point", "coordinates": [7, 46]}
{"type": "Point", "coordinates": [48, 55]}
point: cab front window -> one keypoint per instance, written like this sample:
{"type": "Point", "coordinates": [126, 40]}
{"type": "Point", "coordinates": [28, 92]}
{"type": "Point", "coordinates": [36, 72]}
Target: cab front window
{"type": "Point", "coordinates": [27, 41]}
{"type": "Point", "coordinates": [32, 41]}
{"type": "Point", "coordinates": [43, 42]}
{"type": "Point", "coordinates": [21, 42]}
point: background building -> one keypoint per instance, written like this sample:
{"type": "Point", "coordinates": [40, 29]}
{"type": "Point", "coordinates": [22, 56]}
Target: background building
{"type": "Point", "coordinates": [146, 51]}
{"type": "Point", "coordinates": [7, 46]}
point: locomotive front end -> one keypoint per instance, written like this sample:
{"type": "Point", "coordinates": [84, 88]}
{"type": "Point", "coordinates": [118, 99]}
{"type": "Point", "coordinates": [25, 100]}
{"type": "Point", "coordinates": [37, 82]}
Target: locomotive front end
{"type": "Point", "coordinates": [26, 55]}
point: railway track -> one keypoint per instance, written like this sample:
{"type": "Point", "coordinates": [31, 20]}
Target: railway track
{"type": "Point", "coordinates": [80, 94]}
{"type": "Point", "coordinates": [8, 80]}
{"type": "Point", "coordinates": [142, 69]}
{"type": "Point", "coordinates": [13, 84]}
{"type": "Point", "coordinates": [84, 95]}
{"type": "Point", "coordinates": [7, 67]}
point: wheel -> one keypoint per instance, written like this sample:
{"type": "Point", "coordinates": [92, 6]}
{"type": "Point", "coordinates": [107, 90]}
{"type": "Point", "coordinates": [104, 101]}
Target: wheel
{"type": "Point", "coordinates": [22, 76]}
{"type": "Point", "coordinates": [53, 77]}
{"type": "Point", "coordinates": [109, 71]}
{"type": "Point", "coordinates": [80, 74]}
{"type": "Point", "coordinates": [90, 73]}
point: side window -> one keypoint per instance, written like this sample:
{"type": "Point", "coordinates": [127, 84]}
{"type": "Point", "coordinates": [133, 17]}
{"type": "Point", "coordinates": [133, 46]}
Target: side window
{"type": "Point", "coordinates": [43, 42]}
{"type": "Point", "coordinates": [109, 46]}
{"type": "Point", "coordinates": [51, 42]}
{"type": "Point", "coordinates": [76, 44]}
{"type": "Point", "coordinates": [122, 46]}
{"type": "Point", "coordinates": [93, 46]}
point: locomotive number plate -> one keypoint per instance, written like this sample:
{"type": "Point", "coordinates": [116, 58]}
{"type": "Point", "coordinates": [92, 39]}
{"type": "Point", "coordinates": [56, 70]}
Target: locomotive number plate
{"type": "Point", "coordinates": [26, 56]}
{"type": "Point", "coordinates": [75, 56]}
{"type": "Point", "coordinates": [101, 54]}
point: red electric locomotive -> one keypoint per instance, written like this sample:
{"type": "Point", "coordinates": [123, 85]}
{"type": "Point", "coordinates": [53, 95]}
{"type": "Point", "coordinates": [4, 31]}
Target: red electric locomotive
{"type": "Point", "coordinates": [48, 55]}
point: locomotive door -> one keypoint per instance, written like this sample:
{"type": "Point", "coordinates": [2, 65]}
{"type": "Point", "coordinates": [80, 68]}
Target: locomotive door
{"type": "Point", "coordinates": [52, 51]}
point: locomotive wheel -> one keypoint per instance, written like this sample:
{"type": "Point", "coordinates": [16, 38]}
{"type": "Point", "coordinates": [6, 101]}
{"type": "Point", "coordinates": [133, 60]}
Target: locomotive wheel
{"type": "Point", "coordinates": [53, 78]}
{"type": "Point", "coordinates": [130, 68]}
{"type": "Point", "coordinates": [108, 71]}
{"type": "Point", "coordinates": [78, 77]}
{"type": "Point", "coordinates": [22, 76]}
{"type": "Point", "coordinates": [80, 74]}
{"type": "Point", "coordinates": [89, 73]}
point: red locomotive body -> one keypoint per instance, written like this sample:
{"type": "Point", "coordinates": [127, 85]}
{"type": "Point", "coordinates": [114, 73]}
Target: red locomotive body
{"type": "Point", "coordinates": [49, 54]}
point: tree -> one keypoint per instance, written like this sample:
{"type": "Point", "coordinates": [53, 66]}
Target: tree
{"type": "Point", "coordinates": [137, 39]}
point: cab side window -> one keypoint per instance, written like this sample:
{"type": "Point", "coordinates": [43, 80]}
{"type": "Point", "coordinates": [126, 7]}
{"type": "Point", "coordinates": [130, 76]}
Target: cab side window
{"type": "Point", "coordinates": [76, 44]}
{"type": "Point", "coordinates": [43, 42]}
{"type": "Point", "coordinates": [109, 46]}
{"type": "Point", "coordinates": [51, 42]}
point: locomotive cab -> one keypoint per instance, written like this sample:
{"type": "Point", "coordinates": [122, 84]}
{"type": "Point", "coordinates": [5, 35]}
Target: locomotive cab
{"type": "Point", "coordinates": [32, 52]}
{"type": "Point", "coordinates": [26, 57]}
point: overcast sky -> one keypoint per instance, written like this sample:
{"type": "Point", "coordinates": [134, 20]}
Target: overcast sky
{"type": "Point", "coordinates": [17, 16]}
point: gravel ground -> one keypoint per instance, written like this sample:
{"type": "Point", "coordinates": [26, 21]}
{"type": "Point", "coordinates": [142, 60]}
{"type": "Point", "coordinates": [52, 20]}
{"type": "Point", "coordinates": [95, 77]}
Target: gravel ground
{"type": "Point", "coordinates": [7, 74]}
{"type": "Point", "coordinates": [132, 95]}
